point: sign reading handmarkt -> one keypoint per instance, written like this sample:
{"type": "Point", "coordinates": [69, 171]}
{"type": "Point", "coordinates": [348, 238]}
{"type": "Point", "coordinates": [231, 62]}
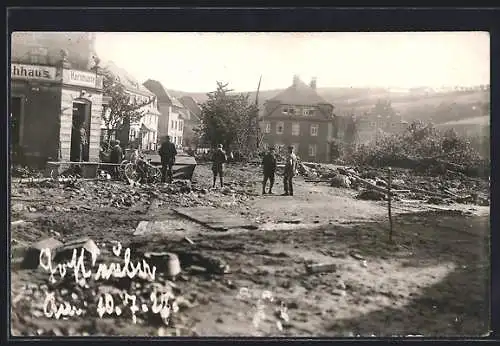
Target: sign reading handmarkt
{"type": "Point", "coordinates": [33, 72]}
{"type": "Point", "coordinates": [83, 79]}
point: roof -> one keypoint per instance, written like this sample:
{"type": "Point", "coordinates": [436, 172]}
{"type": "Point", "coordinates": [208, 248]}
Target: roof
{"type": "Point", "coordinates": [126, 79]}
{"type": "Point", "coordinates": [190, 103]}
{"type": "Point", "coordinates": [299, 94]}
{"type": "Point", "coordinates": [161, 93]}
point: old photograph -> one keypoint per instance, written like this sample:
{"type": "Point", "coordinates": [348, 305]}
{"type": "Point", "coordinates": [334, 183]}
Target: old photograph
{"type": "Point", "coordinates": [251, 184]}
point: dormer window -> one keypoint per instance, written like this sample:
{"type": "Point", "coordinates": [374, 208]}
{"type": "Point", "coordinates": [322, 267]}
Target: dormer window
{"type": "Point", "coordinates": [289, 110]}
{"type": "Point", "coordinates": [307, 112]}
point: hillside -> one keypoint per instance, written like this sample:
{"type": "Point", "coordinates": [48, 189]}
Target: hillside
{"type": "Point", "coordinates": [438, 107]}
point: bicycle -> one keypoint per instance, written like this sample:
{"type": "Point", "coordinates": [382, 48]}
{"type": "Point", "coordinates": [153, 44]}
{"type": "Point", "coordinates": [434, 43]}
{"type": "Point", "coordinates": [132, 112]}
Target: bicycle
{"type": "Point", "coordinates": [142, 171]}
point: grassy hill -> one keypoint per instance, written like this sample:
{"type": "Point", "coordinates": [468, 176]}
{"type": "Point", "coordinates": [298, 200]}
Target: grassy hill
{"type": "Point", "coordinates": [438, 107]}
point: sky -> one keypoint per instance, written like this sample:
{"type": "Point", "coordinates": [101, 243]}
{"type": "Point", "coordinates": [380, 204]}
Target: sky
{"type": "Point", "coordinates": [194, 62]}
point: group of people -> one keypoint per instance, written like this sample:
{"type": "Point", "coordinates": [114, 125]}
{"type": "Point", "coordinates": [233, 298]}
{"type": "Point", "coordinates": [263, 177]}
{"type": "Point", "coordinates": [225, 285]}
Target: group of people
{"type": "Point", "coordinates": [168, 153]}
{"type": "Point", "coordinates": [269, 164]}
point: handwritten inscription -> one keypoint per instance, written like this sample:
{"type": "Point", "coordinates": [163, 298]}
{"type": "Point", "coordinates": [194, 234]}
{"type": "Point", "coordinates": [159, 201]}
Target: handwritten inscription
{"type": "Point", "coordinates": [159, 303]}
{"type": "Point", "coordinates": [260, 298]}
{"type": "Point", "coordinates": [162, 303]}
{"type": "Point", "coordinates": [104, 271]}
{"type": "Point", "coordinates": [52, 309]}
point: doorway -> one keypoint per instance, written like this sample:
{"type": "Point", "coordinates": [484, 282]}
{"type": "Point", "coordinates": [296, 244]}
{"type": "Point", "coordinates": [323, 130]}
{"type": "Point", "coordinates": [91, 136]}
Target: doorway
{"type": "Point", "coordinates": [16, 128]}
{"type": "Point", "coordinates": [80, 139]}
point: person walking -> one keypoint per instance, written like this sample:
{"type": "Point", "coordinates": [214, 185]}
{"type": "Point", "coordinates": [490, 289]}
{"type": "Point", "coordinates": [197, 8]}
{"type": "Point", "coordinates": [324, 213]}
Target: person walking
{"type": "Point", "coordinates": [269, 167]}
{"type": "Point", "coordinates": [167, 152]}
{"type": "Point", "coordinates": [289, 173]}
{"type": "Point", "coordinates": [219, 158]}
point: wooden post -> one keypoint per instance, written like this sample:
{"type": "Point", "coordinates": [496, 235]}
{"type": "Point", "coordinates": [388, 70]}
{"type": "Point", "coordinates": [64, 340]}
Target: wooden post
{"type": "Point", "coordinates": [389, 204]}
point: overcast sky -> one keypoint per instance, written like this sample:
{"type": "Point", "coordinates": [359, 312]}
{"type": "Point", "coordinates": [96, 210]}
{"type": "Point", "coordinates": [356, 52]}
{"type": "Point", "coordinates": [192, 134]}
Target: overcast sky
{"type": "Point", "coordinates": [195, 61]}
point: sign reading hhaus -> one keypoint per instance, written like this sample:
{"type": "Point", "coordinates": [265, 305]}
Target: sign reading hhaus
{"type": "Point", "coordinates": [82, 78]}
{"type": "Point", "coordinates": [22, 71]}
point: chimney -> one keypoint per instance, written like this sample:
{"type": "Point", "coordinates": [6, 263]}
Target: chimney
{"type": "Point", "coordinates": [313, 83]}
{"type": "Point", "coordinates": [295, 80]}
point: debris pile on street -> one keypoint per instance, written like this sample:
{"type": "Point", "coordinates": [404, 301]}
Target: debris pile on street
{"type": "Point", "coordinates": [450, 187]}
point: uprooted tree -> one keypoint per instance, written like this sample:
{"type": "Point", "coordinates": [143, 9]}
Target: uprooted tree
{"type": "Point", "coordinates": [231, 120]}
{"type": "Point", "coordinates": [122, 110]}
{"type": "Point", "coordinates": [423, 145]}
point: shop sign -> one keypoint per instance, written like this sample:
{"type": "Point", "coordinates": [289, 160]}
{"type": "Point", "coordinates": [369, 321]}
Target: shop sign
{"type": "Point", "coordinates": [82, 79]}
{"type": "Point", "coordinates": [32, 72]}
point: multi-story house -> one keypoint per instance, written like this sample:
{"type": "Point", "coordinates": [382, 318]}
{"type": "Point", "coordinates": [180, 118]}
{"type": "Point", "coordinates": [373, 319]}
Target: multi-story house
{"type": "Point", "coordinates": [299, 117]}
{"type": "Point", "coordinates": [192, 120]}
{"type": "Point", "coordinates": [54, 93]}
{"type": "Point", "coordinates": [381, 119]}
{"type": "Point", "coordinates": [142, 133]}
{"type": "Point", "coordinates": [172, 113]}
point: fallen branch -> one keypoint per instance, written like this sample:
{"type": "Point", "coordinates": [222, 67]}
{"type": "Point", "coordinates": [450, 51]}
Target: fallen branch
{"type": "Point", "coordinates": [373, 186]}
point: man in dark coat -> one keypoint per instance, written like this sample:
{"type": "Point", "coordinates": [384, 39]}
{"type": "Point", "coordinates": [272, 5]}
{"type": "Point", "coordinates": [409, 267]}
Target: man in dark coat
{"type": "Point", "coordinates": [167, 155]}
{"type": "Point", "coordinates": [269, 167]}
{"type": "Point", "coordinates": [290, 169]}
{"type": "Point", "coordinates": [218, 159]}
{"type": "Point", "coordinates": [116, 157]}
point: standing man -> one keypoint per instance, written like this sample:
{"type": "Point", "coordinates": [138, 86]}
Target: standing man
{"type": "Point", "coordinates": [116, 157]}
{"type": "Point", "coordinates": [290, 168]}
{"type": "Point", "coordinates": [269, 167]}
{"type": "Point", "coordinates": [219, 158]}
{"type": "Point", "coordinates": [167, 155]}
{"type": "Point", "coordinates": [83, 141]}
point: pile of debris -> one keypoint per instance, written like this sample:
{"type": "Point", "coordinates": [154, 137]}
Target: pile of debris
{"type": "Point", "coordinates": [450, 187]}
{"type": "Point", "coordinates": [23, 172]}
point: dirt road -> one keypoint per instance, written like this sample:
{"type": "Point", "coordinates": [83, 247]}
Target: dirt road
{"type": "Point", "coordinates": [433, 280]}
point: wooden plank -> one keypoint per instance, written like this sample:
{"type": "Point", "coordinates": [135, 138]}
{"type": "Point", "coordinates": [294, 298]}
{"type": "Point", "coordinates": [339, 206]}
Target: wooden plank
{"type": "Point", "coordinates": [217, 219]}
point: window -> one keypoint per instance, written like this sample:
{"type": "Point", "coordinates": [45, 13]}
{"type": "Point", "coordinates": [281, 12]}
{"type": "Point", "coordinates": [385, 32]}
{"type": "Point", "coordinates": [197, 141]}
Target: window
{"type": "Point", "coordinates": [265, 146]}
{"type": "Point", "coordinates": [307, 112]}
{"type": "Point", "coordinates": [295, 129]}
{"type": "Point", "coordinates": [314, 130]}
{"type": "Point", "coordinates": [182, 125]}
{"type": "Point", "coordinates": [267, 127]}
{"type": "Point", "coordinates": [312, 149]}
{"type": "Point", "coordinates": [175, 125]}
{"type": "Point", "coordinates": [288, 110]}
{"type": "Point", "coordinates": [171, 123]}
{"type": "Point", "coordinates": [280, 128]}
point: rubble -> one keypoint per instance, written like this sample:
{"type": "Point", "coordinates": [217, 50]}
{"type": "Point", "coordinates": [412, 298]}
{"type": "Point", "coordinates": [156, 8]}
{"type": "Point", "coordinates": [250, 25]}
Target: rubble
{"type": "Point", "coordinates": [320, 267]}
{"type": "Point", "coordinates": [450, 187]}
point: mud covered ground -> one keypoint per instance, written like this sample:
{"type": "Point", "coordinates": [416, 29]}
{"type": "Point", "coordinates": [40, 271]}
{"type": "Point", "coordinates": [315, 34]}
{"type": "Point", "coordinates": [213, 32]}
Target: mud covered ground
{"type": "Point", "coordinates": [433, 280]}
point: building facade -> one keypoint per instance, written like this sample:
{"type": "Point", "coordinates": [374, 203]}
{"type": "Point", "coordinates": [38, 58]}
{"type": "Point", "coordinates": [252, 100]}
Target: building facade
{"type": "Point", "coordinates": [172, 113]}
{"type": "Point", "coordinates": [299, 117]}
{"type": "Point", "coordinates": [191, 121]}
{"type": "Point", "coordinates": [53, 94]}
{"type": "Point", "coordinates": [143, 133]}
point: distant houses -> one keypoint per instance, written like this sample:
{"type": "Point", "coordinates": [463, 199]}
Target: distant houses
{"type": "Point", "coordinates": [192, 120]}
{"type": "Point", "coordinates": [299, 117]}
{"type": "Point", "coordinates": [172, 113]}
{"type": "Point", "coordinates": [142, 134]}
